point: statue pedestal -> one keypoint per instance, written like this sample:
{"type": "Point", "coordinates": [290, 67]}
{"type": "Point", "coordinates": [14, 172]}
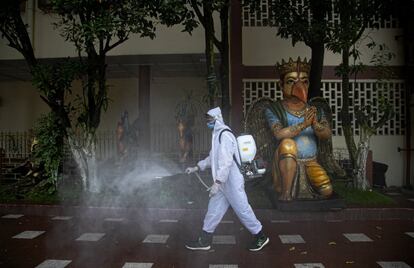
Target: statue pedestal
{"type": "Point", "coordinates": [331, 204]}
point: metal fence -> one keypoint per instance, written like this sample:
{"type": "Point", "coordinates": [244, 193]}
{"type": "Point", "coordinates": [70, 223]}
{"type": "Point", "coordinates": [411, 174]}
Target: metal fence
{"type": "Point", "coordinates": [164, 140]}
{"type": "Point", "coordinates": [14, 144]}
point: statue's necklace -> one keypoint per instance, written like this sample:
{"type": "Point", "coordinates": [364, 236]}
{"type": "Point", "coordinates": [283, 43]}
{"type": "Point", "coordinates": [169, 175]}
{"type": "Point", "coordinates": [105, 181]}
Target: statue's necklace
{"type": "Point", "coordinates": [300, 113]}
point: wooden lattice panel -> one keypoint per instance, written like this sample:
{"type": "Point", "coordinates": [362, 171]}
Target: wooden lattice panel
{"type": "Point", "coordinates": [363, 93]}
{"type": "Point", "coordinates": [262, 17]}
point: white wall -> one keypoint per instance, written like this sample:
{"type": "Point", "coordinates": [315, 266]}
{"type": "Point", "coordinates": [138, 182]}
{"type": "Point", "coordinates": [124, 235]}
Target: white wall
{"type": "Point", "coordinates": [20, 106]}
{"type": "Point", "coordinates": [123, 95]}
{"type": "Point", "coordinates": [262, 47]}
{"type": "Point", "coordinates": [167, 92]}
{"type": "Point", "coordinates": [169, 40]}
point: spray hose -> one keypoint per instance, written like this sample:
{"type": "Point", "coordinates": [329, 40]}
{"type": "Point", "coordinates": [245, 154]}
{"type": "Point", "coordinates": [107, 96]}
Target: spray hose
{"type": "Point", "coordinates": [201, 181]}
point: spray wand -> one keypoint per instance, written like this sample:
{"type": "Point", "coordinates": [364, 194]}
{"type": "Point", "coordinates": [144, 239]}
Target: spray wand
{"type": "Point", "coordinates": [201, 181]}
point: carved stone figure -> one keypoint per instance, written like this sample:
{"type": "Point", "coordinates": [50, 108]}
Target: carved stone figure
{"type": "Point", "coordinates": [296, 129]}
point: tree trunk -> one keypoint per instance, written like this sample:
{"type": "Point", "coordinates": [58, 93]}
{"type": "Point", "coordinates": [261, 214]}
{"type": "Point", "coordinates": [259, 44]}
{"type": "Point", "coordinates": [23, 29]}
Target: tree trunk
{"type": "Point", "coordinates": [319, 10]}
{"type": "Point", "coordinates": [315, 76]}
{"type": "Point", "coordinates": [224, 64]}
{"type": "Point", "coordinates": [79, 157]}
{"type": "Point", "coordinates": [361, 180]}
{"type": "Point", "coordinates": [85, 158]}
{"type": "Point", "coordinates": [102, 91]}
{"type": "Point", "coordinates": [210, 57]}
{"type": "Point", "coordinates": [92, 164]}
{"type": "Point", "coordinates": [345, 115]}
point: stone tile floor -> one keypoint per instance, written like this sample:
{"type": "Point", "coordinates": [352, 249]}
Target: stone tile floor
{"type": "Point", "coordinates": [156, 239]}
{"type": "Point", "coordinates": [57, 236]}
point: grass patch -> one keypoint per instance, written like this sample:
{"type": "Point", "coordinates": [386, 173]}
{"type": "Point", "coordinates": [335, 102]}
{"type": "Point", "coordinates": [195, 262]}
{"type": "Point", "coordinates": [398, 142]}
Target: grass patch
{"type": "Point", "coordinates": [173, 192]}
{"type": "Point", "coordinates": [42, 198]}
{"type": "Point", "coordinates": [354, 196]}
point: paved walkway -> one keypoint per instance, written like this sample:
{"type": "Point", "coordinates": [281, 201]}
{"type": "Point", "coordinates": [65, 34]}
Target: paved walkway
{"type": "Point", "coordinates": [53, 236]}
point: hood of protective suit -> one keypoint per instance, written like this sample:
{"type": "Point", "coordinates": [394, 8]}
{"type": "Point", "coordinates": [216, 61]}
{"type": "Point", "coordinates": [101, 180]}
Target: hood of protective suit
{"type": "Point", "coordinates": [216, 113]}
{"type": "Point", "coordinates": [219, 123]}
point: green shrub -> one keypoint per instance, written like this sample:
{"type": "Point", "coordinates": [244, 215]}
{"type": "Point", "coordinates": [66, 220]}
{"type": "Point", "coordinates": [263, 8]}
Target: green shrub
{"type": "Point", "coordinates": [48, 149]}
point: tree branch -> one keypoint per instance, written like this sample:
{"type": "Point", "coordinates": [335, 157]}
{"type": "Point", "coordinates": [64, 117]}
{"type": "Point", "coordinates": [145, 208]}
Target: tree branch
{"type": "Point", "coordinates": [361, 31]}
{"type": "Point", "coordinates": [108, 39]}
{"type": "Point", "coordinates": [120, 41]}
{"type": "Point", "coordinates": [384, 118]}
{"type": "Point", "coordinates": [218, 43]}
{"type": "Point", "coordinates": [12, 42]}
{"type": "Point", "coordinates": [197, 10]}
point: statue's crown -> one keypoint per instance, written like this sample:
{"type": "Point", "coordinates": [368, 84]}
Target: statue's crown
{"type": "Point", "coordinates": [293, 66]}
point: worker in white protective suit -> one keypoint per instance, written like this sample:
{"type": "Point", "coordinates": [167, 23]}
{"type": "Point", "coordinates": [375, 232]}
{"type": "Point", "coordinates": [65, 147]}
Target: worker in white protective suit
{"type": "Point", "coordinates": [228, 186]}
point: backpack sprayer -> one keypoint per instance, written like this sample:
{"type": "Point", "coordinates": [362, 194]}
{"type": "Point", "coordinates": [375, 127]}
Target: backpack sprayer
{"type": "Point", "coordinates": [250, 167]}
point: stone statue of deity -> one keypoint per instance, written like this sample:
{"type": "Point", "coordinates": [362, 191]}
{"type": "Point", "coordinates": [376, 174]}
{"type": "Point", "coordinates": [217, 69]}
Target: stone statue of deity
{"type": "Point", "coordinates": [289, 131]}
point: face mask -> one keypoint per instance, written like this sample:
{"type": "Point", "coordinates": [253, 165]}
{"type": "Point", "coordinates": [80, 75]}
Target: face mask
{"type": "Point", "coordinates": [210, 125]}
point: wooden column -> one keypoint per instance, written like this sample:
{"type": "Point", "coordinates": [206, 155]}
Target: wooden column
{"type": "Point", "coordinates": [144, 84]}
{"type": "Point", "coordinates": [236, 66]}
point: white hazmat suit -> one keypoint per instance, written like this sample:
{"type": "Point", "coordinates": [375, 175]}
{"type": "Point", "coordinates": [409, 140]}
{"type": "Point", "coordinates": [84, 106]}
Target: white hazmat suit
{"type": "Point", "coordinates": [226, 171]}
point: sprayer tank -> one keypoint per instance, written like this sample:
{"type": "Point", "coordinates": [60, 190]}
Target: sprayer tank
{"type": "Point", "coordinates": [247, 148]}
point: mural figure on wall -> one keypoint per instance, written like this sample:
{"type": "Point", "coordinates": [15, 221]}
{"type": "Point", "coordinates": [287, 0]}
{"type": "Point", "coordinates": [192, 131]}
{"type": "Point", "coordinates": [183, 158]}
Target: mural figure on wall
{"type": "Point", "coordinates": [185, 140]}
{"type": "Point", "coordinates": [127, 137]}
{"type": "Point", "coordinates": [291, 140]}
{"type": "Point", "coordinates": [187, 108]}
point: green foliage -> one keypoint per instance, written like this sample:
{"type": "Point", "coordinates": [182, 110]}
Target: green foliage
{"type": "Point", "coordinates": [49, 151]}
{"type": "Point", "coordinates": [39, 197]}
{"type": "Point", "coordinates": [355, 16]}
{"type": "Point", "coordinates": [13, 29]}
{"type": "Point", "coordinates": [53, 79]}
{"type": "Point", "coordinates": [97, 26]}
{"type": "Point", "coordinates": [380, 59]}
{"type": "Point", "coordinates": [8, 11]}
{"type": "Point", "coordinates": [54, 82]}
{"type": "Point", "coordinates": [205, 12]}
{"type": "Point", "coordinates": [213, 5]}
{"type": "Point", "coordinates": [302, 22]}
{"type": "Point", "coordinates": [173, 12]}
{"type": "Point", "coordinates": [86, 22]}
